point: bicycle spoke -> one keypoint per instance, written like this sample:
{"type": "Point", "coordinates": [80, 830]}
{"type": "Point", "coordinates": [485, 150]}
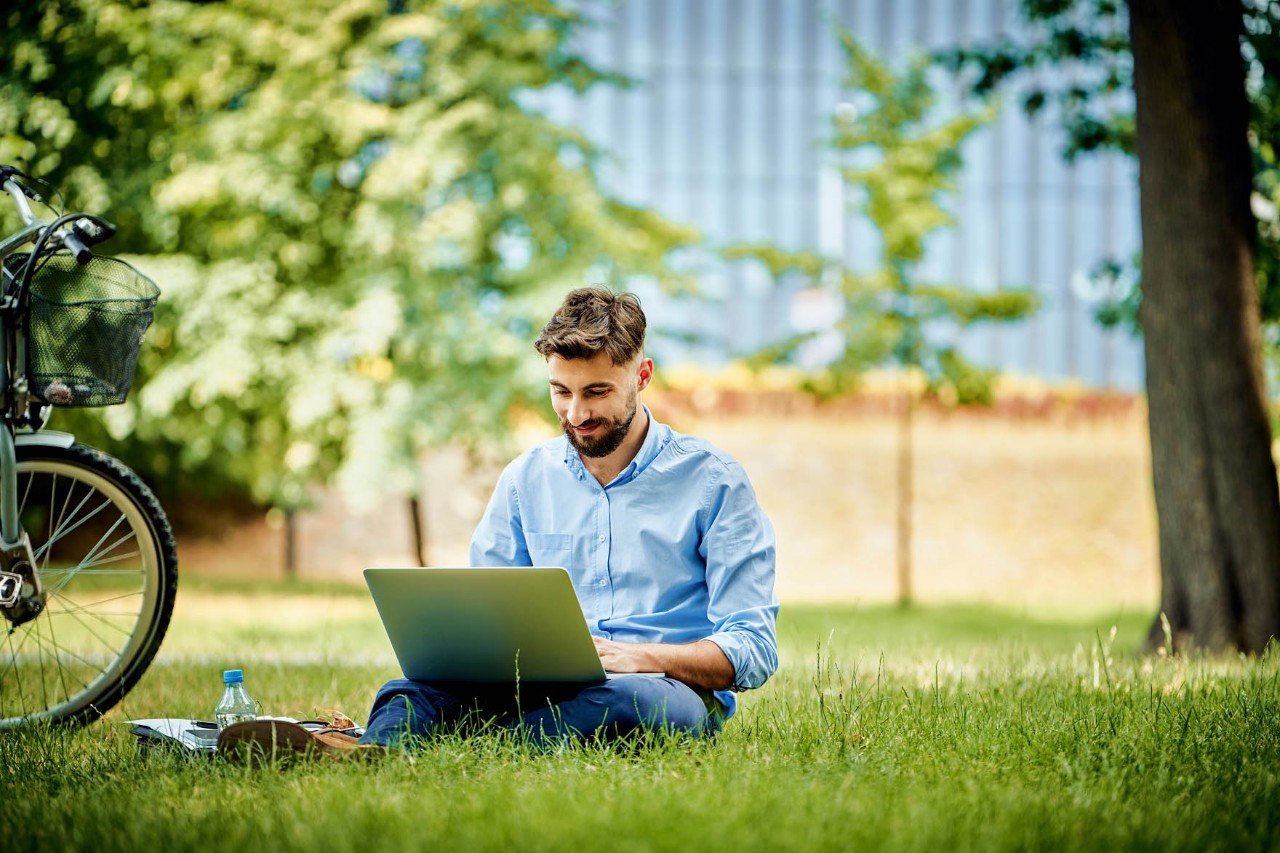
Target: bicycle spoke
{"type": "Point", "coordinates": [62, 672]}
{"type": "Point", "coordinates": [13, 666]}
{"type": "Point", "coordinates": [93, 552]}
{"type": "Point", "coordinates": [87, 663]}
{"type": "Point", "coordinates": [44, 682]}
{"type": "Point", "coordinates": [65, 670]}
{"type": "Point", "coordinates": [15, 652]}
{"type": "Point", "coordinates": [88, 568]}
{"type": "Point", "coordinates": [46, 548]}
{"type": "Point", "coordinates": [74, 610]}
{"type": "Point", "coordinates": [21, 709]}
{"type": "Point", "coordinates": [120, 597]}
{"type": "Point", "coordinates": [77, 611]}
{"type": "Point", "coordinates": [53, 497]}
{"type": "Point", "coordinates": [55, 521]}
{"type": "Point", "coordinates": [64, 530]}
{"type": "Point", "coordinates": [75, 614]}
{"type": "Point", "coordinates": [22, 502]}
{"type": "Point", "coordinates": [41, 648]}
{"type": "Point", "coordinates": [97, 573]}
{"type": "Point", "coordinates": [46, 653]}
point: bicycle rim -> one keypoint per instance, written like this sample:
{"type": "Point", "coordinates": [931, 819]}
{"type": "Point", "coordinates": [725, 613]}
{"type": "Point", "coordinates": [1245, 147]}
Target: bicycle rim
{"type": "Point", "coordinates": [105, 555]}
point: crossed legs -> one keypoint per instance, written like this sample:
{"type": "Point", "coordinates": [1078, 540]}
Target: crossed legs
{"type": "Point", "coordinates": [545, 713]}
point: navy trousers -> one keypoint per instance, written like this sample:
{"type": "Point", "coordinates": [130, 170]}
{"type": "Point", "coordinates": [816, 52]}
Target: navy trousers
{"type": "Point", "coordinates": [546, 714]}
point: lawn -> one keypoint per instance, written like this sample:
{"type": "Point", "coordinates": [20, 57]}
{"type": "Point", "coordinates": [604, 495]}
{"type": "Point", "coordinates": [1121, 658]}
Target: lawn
{"type": "Point", "coordinates": [946, 727]}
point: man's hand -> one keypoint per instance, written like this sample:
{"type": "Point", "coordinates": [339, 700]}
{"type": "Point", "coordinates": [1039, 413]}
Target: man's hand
{"type": "Point", "coordinates": [627, 657]}
{"type": "Point", "coordinates": [701, 664]}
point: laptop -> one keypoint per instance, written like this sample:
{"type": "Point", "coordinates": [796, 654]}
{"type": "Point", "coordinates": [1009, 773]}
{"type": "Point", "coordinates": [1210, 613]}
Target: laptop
{"type": "Point", "coordinates": [486, 625]}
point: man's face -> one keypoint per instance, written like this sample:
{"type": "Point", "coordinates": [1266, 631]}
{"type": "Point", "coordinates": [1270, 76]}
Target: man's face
{"type": "Point", "coordinates": [595, 399]}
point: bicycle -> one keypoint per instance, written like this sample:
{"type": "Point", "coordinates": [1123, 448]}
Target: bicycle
{"type": "Point", "coordinates": [88, 565]}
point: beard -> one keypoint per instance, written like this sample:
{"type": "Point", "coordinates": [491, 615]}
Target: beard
{"type": "Point", "coordinates": [607, 439]}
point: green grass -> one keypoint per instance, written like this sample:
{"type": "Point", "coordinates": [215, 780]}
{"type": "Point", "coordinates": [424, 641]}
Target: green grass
{"type": "Point", "coordinates": [933, 729]}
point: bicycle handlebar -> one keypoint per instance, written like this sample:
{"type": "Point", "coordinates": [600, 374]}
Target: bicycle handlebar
{"type": "Point", "coordinates": [74, 232]}
{"type": "Point", "coordinates": [75, 246]}
{"type": "Point", "coordinates": [19, 193]}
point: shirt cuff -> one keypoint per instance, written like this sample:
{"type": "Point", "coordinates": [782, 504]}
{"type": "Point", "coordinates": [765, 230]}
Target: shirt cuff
{"type": "Point", "coordinates": [753, 660]}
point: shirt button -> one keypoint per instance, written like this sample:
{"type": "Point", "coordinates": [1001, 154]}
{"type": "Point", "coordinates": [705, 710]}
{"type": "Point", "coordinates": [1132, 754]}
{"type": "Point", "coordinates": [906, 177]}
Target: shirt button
{"type": "Point", "coordinates": [602, 538]}
{"type": "Point", "coordinates": [603, 582]}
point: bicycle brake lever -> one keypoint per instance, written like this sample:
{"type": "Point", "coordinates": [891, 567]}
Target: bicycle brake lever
{"type": "Point", "coordinates": [93, 230]}
{"type": "Point", "coordinates": [11, 173]}
{"type": "Point", "coordinates": [82, 233]}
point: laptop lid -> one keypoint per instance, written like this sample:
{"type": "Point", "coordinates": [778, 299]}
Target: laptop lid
{"type": "Point", "coordinates": [485, 624]}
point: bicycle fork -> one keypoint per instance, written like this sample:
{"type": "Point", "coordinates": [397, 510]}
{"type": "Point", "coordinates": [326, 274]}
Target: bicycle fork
{"type": "Point", "coordinates": [22, 595]}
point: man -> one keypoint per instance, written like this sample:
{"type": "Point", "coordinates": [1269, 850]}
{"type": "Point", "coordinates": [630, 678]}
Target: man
{"type": "Point", "coordinates": [671, 557]}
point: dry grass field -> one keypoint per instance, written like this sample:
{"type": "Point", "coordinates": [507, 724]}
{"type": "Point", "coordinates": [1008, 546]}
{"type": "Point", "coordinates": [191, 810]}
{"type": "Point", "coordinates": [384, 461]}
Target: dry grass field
{"type": "Point", "coordinates": [1025, 507]}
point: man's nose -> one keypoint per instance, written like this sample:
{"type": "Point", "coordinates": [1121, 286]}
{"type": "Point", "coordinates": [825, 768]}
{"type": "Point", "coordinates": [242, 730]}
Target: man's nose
{"type": "Point", "coordinates": [579, 412]}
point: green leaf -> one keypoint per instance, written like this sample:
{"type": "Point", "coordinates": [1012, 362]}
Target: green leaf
{"type": "Point", "coordinates": [357, 220]}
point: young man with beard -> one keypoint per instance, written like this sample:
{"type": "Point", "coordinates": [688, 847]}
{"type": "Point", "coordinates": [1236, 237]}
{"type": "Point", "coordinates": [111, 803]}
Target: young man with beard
{"type": "Point", "coordinates": [670, 554]}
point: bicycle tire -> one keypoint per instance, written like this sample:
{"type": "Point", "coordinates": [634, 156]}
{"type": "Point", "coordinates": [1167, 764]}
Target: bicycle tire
{"type": "Point", "coordinates": [78, 659]}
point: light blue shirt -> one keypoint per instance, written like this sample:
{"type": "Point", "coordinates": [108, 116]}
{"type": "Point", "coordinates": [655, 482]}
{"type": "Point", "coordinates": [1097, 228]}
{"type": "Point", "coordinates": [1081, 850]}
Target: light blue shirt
{"type": "Point", "coordinates": [675, 549]}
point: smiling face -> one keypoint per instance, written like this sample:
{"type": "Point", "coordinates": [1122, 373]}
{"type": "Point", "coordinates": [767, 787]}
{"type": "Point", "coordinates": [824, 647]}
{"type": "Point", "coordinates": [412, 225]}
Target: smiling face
{"type": "Point", "coordinates": [596, 400]}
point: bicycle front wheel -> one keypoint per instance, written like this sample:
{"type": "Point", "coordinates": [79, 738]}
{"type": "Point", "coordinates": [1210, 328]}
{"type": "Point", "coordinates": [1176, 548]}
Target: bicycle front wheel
{"type": "Point", "coordinates": [106, 556]}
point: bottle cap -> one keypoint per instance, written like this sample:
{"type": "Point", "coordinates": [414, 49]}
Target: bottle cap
{"type": "Point", "coordinates": [233, 676]}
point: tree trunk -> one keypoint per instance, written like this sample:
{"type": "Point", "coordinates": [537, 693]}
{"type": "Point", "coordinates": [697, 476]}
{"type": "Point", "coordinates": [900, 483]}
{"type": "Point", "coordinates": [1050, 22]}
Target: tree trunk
{"type": "Point", "coordinates": [418, 527]}
{"type": "Point", "coordinates": [290, 544]}
{"type": "Point", "coordinates": [906, 493]}
{"type": "Point", "coordinates": [1215, 481]}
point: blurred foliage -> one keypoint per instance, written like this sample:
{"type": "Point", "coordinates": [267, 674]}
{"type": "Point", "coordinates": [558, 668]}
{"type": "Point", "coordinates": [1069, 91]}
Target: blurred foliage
{"type": "Point", "coordinates": [354, 212]}
{"type": "Point", "coordinates": [902, 162]}
{"type": "Point", "coordinates": [1118, 288]}
{"type": "Point", "coordinates": [778, 261]}
{"type": "Point", "coordinates": [1087, 42]}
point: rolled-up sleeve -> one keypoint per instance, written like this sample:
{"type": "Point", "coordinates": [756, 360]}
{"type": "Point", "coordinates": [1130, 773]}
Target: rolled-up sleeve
{"type": "Point", "coordinates": [739, 548]}
{"type": "Point", "coordinates": [499, 538]}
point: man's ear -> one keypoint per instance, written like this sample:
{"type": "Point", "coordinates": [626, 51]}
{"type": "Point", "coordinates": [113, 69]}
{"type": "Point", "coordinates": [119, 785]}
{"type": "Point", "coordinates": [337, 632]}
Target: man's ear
{"type": "Point", "coordinates": [644, 375]}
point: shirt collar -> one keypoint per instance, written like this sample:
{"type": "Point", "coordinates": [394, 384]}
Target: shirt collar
{"type": "Point", "coordinates": [654, 441]}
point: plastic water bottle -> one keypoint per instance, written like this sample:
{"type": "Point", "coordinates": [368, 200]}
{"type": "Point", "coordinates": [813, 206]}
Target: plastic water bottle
{"type": "Point", "coordinates": [236, 704]}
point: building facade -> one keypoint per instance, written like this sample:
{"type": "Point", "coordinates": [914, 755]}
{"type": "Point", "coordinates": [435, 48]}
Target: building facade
{"type": "Point", "coordinates": [724, 131]}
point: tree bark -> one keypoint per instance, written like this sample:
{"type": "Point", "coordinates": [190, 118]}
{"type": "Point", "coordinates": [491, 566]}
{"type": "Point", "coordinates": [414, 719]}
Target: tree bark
{"type": "Point", "coordinates": [1214, 478]}
{"type": "Point", "coordinates": [290, 544]}
{"type": "Point", "coordinates": [419, 529]}
{"type": "Point", "coordinates": [906, 490]}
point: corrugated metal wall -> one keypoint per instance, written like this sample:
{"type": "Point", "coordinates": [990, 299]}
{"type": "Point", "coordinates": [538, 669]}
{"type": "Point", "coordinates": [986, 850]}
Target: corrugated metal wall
{"type": "Point", "coordinates": [723, 132]}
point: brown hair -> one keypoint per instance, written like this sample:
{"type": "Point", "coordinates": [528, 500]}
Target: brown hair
{"type": "Point", "coordinates": [592, 320]}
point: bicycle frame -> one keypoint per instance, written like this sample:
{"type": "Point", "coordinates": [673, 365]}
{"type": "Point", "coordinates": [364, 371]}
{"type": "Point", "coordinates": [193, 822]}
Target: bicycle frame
{"type": "Point", "coordinates": [22, 596]}
{"type": "Point", "coordinates": [20, 587]}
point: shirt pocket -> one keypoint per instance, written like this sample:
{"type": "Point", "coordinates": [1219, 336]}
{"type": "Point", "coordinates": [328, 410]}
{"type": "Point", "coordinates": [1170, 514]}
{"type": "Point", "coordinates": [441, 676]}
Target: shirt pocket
{"type": "Point", "coordinates": [549, 549]}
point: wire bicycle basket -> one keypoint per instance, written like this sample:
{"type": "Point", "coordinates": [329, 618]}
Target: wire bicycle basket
{"type": "Point", "coordinates": [85, 324]}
